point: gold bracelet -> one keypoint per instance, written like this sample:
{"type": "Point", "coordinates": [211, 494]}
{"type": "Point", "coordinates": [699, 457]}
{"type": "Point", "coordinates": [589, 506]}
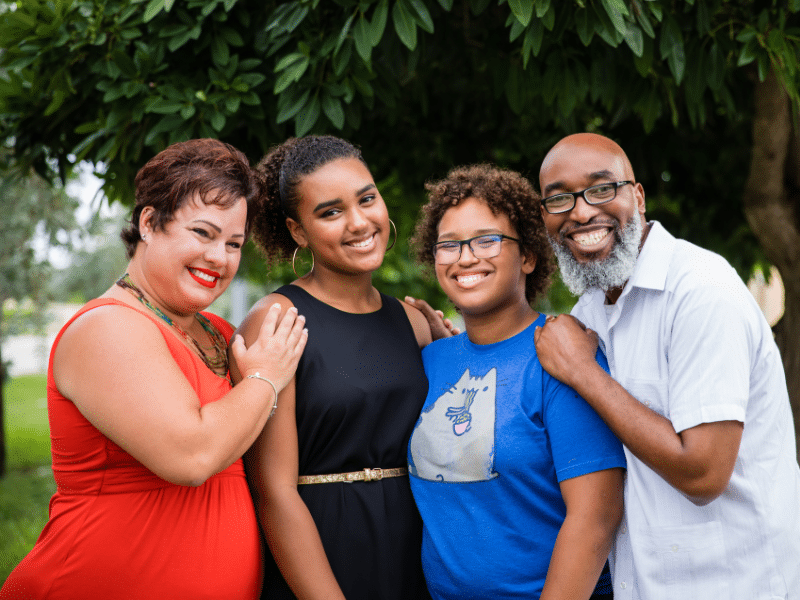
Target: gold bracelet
{"type": "Point", "coordinates": [257, 375]}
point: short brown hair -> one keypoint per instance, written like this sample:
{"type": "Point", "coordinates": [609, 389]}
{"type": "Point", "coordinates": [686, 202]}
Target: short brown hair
{"type": "Point", "coordinates": [217, 171]}
{"type": "Point", "coordinates": [505, 192]}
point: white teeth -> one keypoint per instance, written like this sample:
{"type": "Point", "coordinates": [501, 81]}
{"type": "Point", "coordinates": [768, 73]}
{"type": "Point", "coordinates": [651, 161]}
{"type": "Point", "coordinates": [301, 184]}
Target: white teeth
{"type": "Point", "coordinates": [471, 278]}
{"type": "Point", "coordinates": [362, 244]}
{"type": "Point", "coordinates": [203, 276]}
{"type": "Point", "coordinates": [590, 239]}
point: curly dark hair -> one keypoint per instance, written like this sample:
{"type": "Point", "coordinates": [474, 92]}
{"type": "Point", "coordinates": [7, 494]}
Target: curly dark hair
{"type": "Point", "coordinates": [220, 173]}
{"type": "Point", "coordinates": [505, 192]}
{"type": "Point", "coordinates": [281, 172]}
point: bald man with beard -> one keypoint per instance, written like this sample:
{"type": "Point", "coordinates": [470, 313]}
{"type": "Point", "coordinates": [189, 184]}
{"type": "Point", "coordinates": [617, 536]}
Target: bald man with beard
{"type": "Point", "coordinates": [696, 393]}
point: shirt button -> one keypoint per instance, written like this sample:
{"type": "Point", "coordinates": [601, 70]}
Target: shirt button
{"type": "Point", "coordinates": [623, 585]}
{"type": "Point", "coordinates": [674, 548]}
{"type": "Point", "coordinates": [647, 403]}
{"type": "Point", "coordinates": [623, 529]}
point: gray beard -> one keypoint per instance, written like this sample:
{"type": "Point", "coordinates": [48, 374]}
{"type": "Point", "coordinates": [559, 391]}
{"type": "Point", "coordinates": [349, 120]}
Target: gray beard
{"type": "Point", "coordinates": [606, 274]}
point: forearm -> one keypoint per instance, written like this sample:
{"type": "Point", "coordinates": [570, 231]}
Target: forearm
{"type": "Point", "coordinates": [651, 437]}
{"type": "Point", "coordinates": [578, 558]}
{"type": "Point", "coordinates": [296, 546]}
{"type": "Point", "coordinates": [222, 431]}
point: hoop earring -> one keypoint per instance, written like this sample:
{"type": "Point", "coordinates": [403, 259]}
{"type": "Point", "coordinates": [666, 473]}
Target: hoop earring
{"type": "Point", "coordinates": [394, 241]}
{"type": "Point", "coordinates": [294, 258]}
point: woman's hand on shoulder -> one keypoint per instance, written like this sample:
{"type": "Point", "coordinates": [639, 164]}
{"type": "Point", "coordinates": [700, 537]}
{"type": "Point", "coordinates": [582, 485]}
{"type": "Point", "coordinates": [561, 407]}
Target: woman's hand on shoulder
{"type": "Point", "coordinates": [270, 342]}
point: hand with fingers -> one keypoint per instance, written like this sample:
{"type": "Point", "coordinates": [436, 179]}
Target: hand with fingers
{"type": "Point", "coordinates": [440, 327]}
{"type": "Point", "coordinates": [565, 346]}
{"type": "Point", "coordinates": [275, 353]}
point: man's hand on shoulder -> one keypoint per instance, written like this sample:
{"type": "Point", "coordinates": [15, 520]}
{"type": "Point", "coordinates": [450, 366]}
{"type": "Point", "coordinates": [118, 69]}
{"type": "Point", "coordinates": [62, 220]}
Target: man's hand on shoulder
{"type": "Point", "coordinates": [566, 348]}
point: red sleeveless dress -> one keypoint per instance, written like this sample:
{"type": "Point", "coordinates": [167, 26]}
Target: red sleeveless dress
{"type": "Point", "coordinates": [117, 531]}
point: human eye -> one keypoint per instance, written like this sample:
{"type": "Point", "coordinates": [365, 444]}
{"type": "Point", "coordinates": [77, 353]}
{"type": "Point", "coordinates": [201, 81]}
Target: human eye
{"type": "Point", "coordinates": [603, 191]}
{"type": "Point", "coordinates": [447, 247]}
{"type": "Point", "coordinates": [369, 198]}
{"type": "Point", "coordinates": [487, 241]}
{"type": "Point", "coordinates": [235, 245]}
{"type": "Point", "coordinates": [201, 232]}
{"type": "Point", "coordinates": [331, 212]}
{"type": "Point", "coordinates": [558, 201]}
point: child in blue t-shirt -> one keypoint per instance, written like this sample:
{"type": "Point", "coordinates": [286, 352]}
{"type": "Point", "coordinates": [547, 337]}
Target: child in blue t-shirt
{"type": "Point", "coordinates": [518, 481]}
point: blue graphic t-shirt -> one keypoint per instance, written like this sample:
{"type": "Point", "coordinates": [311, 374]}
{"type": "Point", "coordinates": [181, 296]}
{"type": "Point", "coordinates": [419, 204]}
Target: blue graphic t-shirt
{"type": "Point", "coordinates": [496, 436]}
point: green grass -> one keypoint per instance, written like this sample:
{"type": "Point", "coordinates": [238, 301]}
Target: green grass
{"type": "Point", "coordinates": [27, 431]}
{"type": "Point", "coordinates": [26, 489]}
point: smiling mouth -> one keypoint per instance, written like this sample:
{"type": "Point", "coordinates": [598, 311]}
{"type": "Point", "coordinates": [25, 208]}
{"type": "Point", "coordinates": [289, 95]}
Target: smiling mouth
{"type": "Point", "coordinates": [469, 279]}
{"type": "Point", "coordinates": [591, 238]}
{"type": "Point", "coordinates": [363, 243]}
{"type": "Point", "coordinates": [203, 277]}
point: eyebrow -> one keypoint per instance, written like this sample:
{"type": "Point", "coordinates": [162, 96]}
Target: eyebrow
{"type": "Point", "coordinates": [335, 201]}
{"type": "Point", "coordinates": [216, 228]}
{"type": "Point", "coordinates": [592, 177]}
{"type": "Point", "coordinates": [451, 236]}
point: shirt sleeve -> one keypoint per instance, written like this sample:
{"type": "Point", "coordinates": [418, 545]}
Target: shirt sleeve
{"type": "Point", "coordinates": [580, 441]}
{"type": "Point", "coordinates": [709, 353]}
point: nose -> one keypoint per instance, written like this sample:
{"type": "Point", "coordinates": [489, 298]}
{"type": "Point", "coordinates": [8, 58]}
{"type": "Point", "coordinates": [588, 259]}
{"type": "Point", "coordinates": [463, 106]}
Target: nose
{"type": "Point", "coordinates": [467, 257]}
{"type": "Point", "coordinates": [358, 220]}
{"type": "Point", "coordinates": [216, 253]}
{"type": "Point", "coordinates": [583, 212]}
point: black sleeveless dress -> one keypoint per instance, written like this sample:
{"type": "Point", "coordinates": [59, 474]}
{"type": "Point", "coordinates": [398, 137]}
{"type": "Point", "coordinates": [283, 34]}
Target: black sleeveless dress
{"type": "Point", "coordinates": [360, 388]}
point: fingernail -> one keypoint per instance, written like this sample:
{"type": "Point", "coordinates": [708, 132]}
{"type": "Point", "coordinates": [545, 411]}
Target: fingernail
{"type": "Point", "coordinates": [276, 305]}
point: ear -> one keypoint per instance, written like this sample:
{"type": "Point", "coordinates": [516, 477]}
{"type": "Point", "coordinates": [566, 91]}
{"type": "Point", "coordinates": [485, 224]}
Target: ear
{"type": "Point", "coordinates": [528, 264]}
{"type": "Point", "coordinates": [145, 226]}
{"type": "Point", "coordinates": [297, 232]}
{"type": "Point", "coordinates": [639, 192]}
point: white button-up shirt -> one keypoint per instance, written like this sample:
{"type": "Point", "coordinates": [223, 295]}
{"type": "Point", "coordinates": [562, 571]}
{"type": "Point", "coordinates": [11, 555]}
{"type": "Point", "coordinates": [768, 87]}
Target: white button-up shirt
{"type": "Point", "coordinates": [688, 340]}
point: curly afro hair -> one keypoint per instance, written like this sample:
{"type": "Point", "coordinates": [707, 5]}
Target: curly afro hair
{"type": "Point", "coordinates": [505, 192]}
{"type": "Point", "coordinates": [281, 171]}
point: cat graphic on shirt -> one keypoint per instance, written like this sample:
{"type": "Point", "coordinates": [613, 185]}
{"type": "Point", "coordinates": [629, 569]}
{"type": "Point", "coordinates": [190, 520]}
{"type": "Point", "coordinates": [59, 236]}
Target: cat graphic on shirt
{"type": "Point", "coordinates": [454, 438]}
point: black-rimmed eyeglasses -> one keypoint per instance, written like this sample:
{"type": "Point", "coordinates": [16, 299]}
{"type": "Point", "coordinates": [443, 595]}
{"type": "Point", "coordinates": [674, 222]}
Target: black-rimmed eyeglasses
{"type": "Point", "coordinates": [481, 246]}
{"type": "Point", "coordinates": [596, 194]}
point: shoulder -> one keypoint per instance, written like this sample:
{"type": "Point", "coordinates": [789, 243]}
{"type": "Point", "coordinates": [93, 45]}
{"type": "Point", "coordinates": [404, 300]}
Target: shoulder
{"type": "Point", "coordinates": [444, 347]}
{"type": "Point", "coordinates": [419, 324]}
{"type": "Point", "coordinates": [700, 277]}
{"type": "Point", "coordinates": [252, 322]}
{"type": "Point", "coordinates": [108, 324]}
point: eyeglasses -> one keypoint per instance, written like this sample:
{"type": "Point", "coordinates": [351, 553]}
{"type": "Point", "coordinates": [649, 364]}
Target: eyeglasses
{"type": "Point", "coordinates": [481, 246]}
{"type": "Point", "coordinates": [596, 194]}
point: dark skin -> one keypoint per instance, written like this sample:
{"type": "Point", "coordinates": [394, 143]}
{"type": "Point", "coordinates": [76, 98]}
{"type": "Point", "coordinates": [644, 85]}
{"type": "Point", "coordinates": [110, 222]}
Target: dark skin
{"type": "Point", "coordinates": [698, 461]}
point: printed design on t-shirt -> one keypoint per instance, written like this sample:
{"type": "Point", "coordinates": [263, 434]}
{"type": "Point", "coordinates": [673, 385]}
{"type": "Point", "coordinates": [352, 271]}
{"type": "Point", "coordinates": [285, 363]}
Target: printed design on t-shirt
{"type": "Point", "coordinates": [454, 437]}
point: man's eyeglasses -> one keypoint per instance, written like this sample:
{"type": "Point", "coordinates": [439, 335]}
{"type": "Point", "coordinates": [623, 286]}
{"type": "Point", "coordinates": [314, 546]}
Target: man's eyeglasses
{"type": "Point", "coordinates": [596, 194]}
{"type": "Point", "coordinates": [481, 246]}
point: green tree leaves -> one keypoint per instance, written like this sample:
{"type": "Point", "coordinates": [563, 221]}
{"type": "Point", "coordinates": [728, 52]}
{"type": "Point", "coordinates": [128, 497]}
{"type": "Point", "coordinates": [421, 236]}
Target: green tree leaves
{"type": "Point", "coordinates": [117, 80]}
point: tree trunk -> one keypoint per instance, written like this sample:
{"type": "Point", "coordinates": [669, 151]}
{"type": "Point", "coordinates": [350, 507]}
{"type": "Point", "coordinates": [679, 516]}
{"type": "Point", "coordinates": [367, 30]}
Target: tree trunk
{"type": "Point", "coordinates": [772, 207]}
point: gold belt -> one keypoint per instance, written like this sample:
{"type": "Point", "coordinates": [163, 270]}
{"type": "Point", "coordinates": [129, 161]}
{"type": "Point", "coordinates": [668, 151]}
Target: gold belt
{"type": "Point", "coordinates": [365, 475]}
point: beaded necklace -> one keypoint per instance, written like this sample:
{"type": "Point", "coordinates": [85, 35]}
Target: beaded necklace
{"type": "Point", "coordinates": [218, 362]}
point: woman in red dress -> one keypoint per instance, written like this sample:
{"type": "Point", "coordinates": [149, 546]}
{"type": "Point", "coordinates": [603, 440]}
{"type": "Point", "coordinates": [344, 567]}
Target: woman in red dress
{"type": "Point", "coordinates": [146, 432]}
